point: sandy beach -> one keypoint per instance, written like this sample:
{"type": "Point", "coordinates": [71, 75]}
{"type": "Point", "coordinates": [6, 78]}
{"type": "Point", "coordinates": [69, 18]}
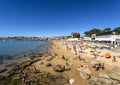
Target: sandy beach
{"type": "Point", "coordinates": [60, 50]}
{"type": "Point", "coordinates": [71, 60]}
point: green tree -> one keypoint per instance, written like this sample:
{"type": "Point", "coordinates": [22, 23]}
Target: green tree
{"type": "Point", "coordinates": [93, 31]}
{"type": "Point", "coordinates": [116, 30]}
{"type": "Point", "coordinates": [87, 33]}
{"type": "Point", "coordinates": [106, 30]}
{"type": "Point", "coordinates": [75, 35]}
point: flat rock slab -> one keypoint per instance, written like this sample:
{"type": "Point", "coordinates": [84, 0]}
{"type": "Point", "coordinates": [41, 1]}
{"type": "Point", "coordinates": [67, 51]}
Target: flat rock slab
{"type": "Point", "coordinates": [59, 68]}
{"type": "Point", "coordinates": [3, 70]}
{"type": "Point", "coordinates": [115, 76]}
{"type": "Point", "coordinates": [84, 75]}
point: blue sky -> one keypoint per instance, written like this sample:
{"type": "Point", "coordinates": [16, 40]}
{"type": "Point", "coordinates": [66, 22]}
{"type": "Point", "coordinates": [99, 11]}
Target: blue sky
{"type": "Point", "coordinates": [56, 17]}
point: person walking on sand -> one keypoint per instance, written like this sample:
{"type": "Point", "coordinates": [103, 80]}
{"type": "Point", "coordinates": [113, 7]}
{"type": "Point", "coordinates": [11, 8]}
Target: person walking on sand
{"type": "Point", "coordinates": [79, 57]}
{"type": "Point", "coordinates": [102, 66]}
{"type": "Point", "coordinates": [74, 48]}
{"type": "Point", "coordinates": [114, 59]}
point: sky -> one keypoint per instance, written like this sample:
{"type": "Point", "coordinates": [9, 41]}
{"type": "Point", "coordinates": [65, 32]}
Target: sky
{"type": "Point", "coordinates": [56, 17]}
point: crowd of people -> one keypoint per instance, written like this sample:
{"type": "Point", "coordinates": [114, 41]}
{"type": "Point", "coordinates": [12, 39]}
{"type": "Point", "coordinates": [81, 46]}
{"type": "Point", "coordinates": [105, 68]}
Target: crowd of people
{"type": "Point", "coordinates": [78, 47]}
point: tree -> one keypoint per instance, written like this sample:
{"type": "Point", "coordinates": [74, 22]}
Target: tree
{"type": "Point", "coordinates": [117, 30]}
{"type": "Point", "coordinates": [106, 30]}
{"type": "Point", "coordinates": [87, 33]}
{"type": "Point", "coordinates": [75, 35]}
{"type": "Point", "coordinates": [93, 31]}
{"type": "Point", "coordinates": [96, 31]}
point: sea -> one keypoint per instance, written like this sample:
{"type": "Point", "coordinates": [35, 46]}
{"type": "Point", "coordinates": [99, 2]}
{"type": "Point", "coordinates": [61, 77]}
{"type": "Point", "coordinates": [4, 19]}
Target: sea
{"type": "Point", "coordinates": [12, 49]}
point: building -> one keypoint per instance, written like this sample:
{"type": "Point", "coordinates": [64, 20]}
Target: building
{"type": "Point", "coordinates": [113, 39]}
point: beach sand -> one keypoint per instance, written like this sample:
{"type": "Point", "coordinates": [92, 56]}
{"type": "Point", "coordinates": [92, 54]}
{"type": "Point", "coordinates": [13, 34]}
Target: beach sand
{"type": "Point", "coordinates": [74, 73]}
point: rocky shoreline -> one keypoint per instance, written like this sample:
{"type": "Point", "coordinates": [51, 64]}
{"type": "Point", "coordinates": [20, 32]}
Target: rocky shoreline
{"type": "Point", "coordinates": [32, 75]}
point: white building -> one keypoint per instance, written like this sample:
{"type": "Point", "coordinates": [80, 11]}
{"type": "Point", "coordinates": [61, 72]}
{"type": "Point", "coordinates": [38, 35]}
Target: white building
{"type": "Point", "coordinates": [110, 38]}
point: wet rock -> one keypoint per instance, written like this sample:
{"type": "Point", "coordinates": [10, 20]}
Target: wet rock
{"type": "Point", "coordinates": [59, 68]}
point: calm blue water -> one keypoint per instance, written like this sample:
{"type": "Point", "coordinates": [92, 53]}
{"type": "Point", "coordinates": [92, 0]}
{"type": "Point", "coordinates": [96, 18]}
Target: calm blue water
{"type": "Point", "coordinates": [10, 49]}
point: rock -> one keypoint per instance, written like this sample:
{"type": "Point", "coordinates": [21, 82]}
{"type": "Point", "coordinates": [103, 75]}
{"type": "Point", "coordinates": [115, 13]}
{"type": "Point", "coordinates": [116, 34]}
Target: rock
{"type": "Point", "coordinates": [56, 54]}
{"type": "Point", "coordinates": [48, 65]}
{"type": "Point", "coordinates": [50, 79]}
{"type": "Point", "coordinates": [115, 76]}
{"type": "Point", "coordinates": [66, 58]}
{"type": "Point", "coordinates": [41, 63]}
{"type": "Point", "coordinates": [118, 83]}
{"type": "Point", "coordinates": [101, 81]}
{"type": "Point", "coordinates": [93, 78]}
{"type": "Point", "coordinates": [1, 77]}
{"type": "Point", "coordinates": [87, 70]}
{"type": "Point", "coordinates": [27, 81]}
{"type": "Point", "coordinates": [104, 75]}
{"type": "Point", "coordinates": [3, 70]}
{"type": "Point", "coordinates": [59, 68]}
{"type": "Point", "coordinates": [45, 76]}
{"type": "Point", "coordinates": [67, 68]}
{"type": "Point", "coordinates": [105, 81]}
{"type": "Point", "coordinates": [84, 72]}
{"type": "Point", "coordinates": [16, 82]}
{"type": "Point", "coordinates": [4, 80]}
{"type": "Point", "coordinates": [11, 64]}
{"type": "Point", "coordinates": [49, 59]}
{"type": "Point", "coordinates": [84, 75]}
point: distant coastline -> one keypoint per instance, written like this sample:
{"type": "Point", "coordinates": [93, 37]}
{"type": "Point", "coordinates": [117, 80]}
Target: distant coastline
{"type": "Point", "coordinates": [24, 38]}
